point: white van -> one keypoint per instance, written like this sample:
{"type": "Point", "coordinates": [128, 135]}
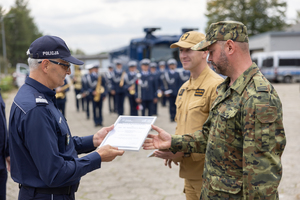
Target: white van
{"type": "Point", "coordinates": [279, 66]}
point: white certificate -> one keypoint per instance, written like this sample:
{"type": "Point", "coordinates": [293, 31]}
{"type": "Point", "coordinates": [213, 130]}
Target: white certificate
{"type": "Point", "coordinates": [129, 132]}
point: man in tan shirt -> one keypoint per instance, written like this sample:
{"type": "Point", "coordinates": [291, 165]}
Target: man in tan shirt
{"type": "Point", "coordinates": [193, 103]}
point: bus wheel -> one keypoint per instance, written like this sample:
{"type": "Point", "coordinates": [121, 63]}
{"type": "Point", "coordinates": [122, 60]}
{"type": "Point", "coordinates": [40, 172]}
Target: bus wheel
{"type": "Point", "coordinates": [287, 79]}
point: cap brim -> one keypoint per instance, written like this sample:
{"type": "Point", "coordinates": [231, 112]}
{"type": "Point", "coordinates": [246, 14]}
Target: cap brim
{"type": "Point", "coordinates": [182, 44]}
{"type": "Point", "coordinates": [73, 60]}
{"type": "Point", "coordinates": [202, 46]}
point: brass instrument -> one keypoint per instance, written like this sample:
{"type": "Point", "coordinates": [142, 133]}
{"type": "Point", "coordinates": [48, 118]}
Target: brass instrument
{"type": "Point", "coordinates": [77, 82]}
{"type": "Point", "coordinates": [132, 91]}
{"type": "Point", "coordinates": [99, 89]}
{"type": "Point", "coordinates": [62, 95]}
{"type": "Point", "coordinates": [122, 79]}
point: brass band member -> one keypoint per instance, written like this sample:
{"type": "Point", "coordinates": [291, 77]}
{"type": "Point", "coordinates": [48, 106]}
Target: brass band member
{"type": "Point", "coordinates": [61, 97]}
{"type": "Point", "coordinates": [130, 86]}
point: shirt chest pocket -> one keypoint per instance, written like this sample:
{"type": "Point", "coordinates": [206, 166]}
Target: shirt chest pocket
{"type": "Point", "coordinates": [63, 136]}
{"type": "Point", "coordinates": [226, 125]}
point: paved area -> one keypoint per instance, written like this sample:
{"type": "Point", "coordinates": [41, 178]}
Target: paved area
{"type": "Point", "coordinates": [136, 177]}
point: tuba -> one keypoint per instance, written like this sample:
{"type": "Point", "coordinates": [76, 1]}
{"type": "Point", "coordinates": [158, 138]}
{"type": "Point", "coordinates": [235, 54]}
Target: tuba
{"type": "Point", "coordinates": [99, 89]}
{"type": "Point", "coordinates": [62, 95]}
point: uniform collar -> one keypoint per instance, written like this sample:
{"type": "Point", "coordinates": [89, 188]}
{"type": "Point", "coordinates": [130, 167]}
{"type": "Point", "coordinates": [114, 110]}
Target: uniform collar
{"type": "Point", "coordinates": [241, 82]}
{"type": "Point", "coordinates": [49, 94]}
{"type": "Point", "coordinates": [197, 83]}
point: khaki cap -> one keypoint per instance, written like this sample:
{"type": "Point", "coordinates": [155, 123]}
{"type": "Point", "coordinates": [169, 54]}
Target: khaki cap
{"type": "Point", "coordinates": [189, 39]}
{"type": "Point", "coordinates": [223, 31]}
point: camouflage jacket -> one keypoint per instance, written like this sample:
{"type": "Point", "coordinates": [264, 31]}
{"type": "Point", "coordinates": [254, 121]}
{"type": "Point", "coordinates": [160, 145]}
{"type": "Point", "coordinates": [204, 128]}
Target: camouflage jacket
{"type": "Point", "coordinates": [243, 139]}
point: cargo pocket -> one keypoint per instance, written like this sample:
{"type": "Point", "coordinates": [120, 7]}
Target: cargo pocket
{"type": "Point", "coordinates": [227, 124]}
{"type": "Point", "coordinates": [264, 126]}
{"type": "Point", "coordinates": [232, 186]}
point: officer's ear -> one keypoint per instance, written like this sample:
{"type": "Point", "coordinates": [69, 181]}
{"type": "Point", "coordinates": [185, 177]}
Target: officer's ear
{"type": "Point", "coordinates": [204, 55]}
{"type": "Point", "coordinates": [44, 65]}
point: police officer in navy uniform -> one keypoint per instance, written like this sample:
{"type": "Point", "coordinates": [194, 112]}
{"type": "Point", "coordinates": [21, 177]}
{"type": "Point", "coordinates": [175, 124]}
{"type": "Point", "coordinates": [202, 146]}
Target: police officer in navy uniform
{"type": "Point", "coordinates": [93, 79]}
{"type": "Point", "coordinates": [44, 155]}
{"type": "Point", "coordinates": [162, 82]}
{"type": "Point", "coordinates": [61, 97]}
{"type": "Point", "coordinates": [173, 80]}
{"type": "Point", "coordinates": [4, 153]}
{"type": "Point", "coordinates": [118, 89]}
{"type": "Point", "coordinates": [111, 98]}
{"type": "Point", "coordinates": [155, 74]}
{"type": "Point", "coordinates": [146, 89]}
{"type": "Point", "coordinates": [130, 86]}
{"type": "Point", "coordinates": [77, 82]}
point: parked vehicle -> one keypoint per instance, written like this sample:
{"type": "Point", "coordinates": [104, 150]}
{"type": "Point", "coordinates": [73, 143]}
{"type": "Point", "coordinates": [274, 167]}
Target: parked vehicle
{"type": "Point", "coordinates": [154, 47]}
{"type": "Point", "coordinates": [22, 70]}
{"type": "Point", "coordinates": [279, 66]}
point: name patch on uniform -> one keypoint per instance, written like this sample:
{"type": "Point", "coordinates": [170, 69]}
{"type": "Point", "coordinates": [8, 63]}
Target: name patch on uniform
{"type": "Point", "coordinates": [199, 92]}
{"type": "Point", "coordinates": [40, 99]}
{"type": "Point", "coordinates": [181, 92]}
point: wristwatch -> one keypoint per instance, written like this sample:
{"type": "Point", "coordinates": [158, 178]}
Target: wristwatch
{"type": "Point", "coordinates": [186, 155]}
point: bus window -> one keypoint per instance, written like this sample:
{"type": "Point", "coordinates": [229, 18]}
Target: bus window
{"type": "Point", "coordinates": [289, 62]}
{"type": "Point", "coordinates": [268, 62]}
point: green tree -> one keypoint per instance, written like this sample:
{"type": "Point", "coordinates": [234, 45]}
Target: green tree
{"type": "Point", "coordinates": [20, 31]}
{"type": "Point", "coordinates": [258, 15]}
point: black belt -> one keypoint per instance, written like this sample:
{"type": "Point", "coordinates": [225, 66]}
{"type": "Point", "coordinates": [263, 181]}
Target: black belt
{"type": "Point", "coordinates": [59, 190]}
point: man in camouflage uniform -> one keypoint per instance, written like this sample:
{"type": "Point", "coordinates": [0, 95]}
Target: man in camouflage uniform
{"type": "Point", "coordinates": [243, 136]}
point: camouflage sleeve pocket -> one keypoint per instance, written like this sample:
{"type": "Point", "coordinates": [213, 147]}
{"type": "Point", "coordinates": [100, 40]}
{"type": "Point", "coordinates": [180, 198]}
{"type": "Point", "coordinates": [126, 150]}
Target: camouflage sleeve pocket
{"type": "Point", "coordinates": [264, 126]}
{"type": "Point", "coordinates": [226, 185]}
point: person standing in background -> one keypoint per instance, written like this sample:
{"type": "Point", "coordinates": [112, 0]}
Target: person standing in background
{"type": "Point", "coordinates": [173, 83]}
{"type": "Point", "coordinates": [131, 79]}
{"type": "Point", "coordinates": [4, 150]}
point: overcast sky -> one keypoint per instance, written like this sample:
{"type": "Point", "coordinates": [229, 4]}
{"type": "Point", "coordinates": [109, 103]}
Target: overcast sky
{"type": "Point", "coordinates": [95, 26]}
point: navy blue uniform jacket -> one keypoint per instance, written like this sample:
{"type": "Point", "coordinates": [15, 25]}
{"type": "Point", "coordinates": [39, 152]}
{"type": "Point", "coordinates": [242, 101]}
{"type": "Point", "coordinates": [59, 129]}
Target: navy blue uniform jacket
{"type": "Point", "coordinates": [43, 152]}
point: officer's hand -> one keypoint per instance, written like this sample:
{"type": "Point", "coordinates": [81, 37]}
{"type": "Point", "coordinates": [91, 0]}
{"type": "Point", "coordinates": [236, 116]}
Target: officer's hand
{"type": "Point", "coordinates": [155, 100]}
{"type": "Point", "coordinates": [108, 153]}
{"type": "Point", "coordinates": [160, 141]}
{"type": "Point", "coordinates": [138, 100]}
{"type": "Point", "coordinates": [100, 135]}
{"type": "Point", "coordinates": [168, 162]}
{"type": "Point", "coordinates": [112, 92]}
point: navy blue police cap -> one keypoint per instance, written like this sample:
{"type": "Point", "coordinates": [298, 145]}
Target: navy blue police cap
{"type": "Point", "coordinates": [51, 47]}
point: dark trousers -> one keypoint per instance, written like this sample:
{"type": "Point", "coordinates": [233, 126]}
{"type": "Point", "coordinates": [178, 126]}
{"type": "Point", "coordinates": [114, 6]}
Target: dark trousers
{"type": "Point", "coordinates": [172, 107]}
{"type": "Point", "coordinates": [163, 100]}
{"type": "Point", "coordinates": [147, 104]}
{"type": "Point", "coordinates": [31, 194]}
{"type": "Point", "coordinates": [154, 108]}
{"type": "Point", "coordinates": [97, 112]}
{"type": "Point", "coordinates": [120, 97]}
{"type": "Point", "coordinates": [111, 103]}
{"type": "Point", "coordinates": [133, 105]}
{"type": "Point", "coordinates": [61, 105]}
{"type": "Point", "coordinates": [87, 100]}
{"type": "Point", "coordinates": [78, 101]}
{"type": "Point", "coordinates": [3, 177]}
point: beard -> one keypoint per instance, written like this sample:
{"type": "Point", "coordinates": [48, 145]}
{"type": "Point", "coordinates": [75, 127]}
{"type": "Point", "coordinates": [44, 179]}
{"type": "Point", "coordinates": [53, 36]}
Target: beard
{"type": "Point", "coordinates": [221, 66]}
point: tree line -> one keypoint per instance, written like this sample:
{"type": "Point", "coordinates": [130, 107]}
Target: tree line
{"type": "Point", "coordinates": [258, 15]}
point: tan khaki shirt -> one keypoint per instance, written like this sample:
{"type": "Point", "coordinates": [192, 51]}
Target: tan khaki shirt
{"type": "Point", "coordinates": [193, 102]}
